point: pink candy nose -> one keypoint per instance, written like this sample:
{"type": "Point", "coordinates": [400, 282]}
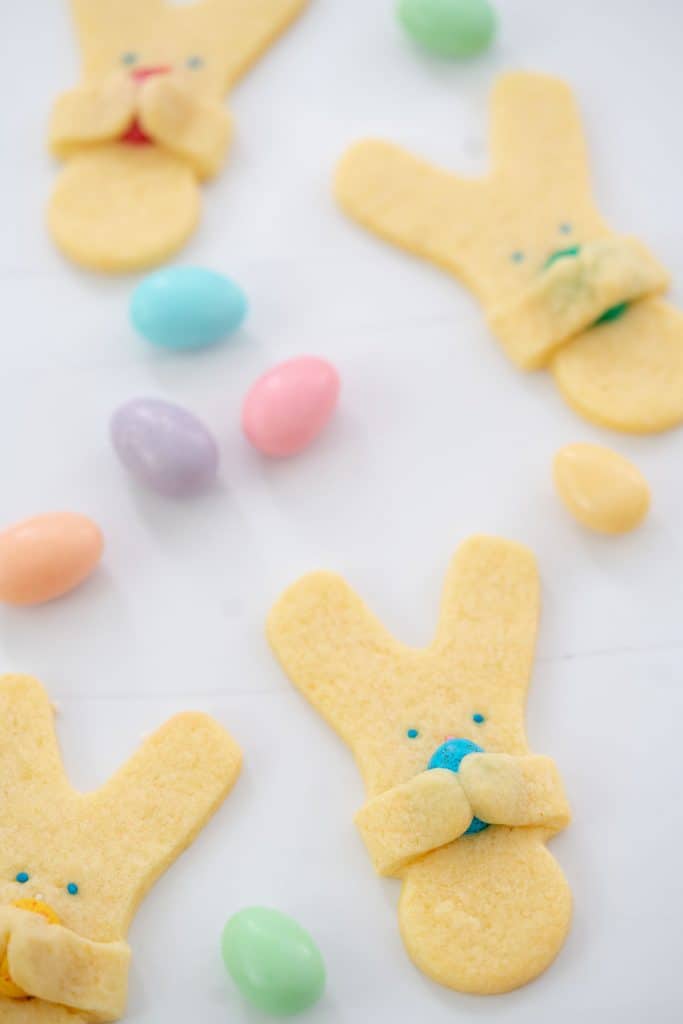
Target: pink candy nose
{"type": "Point", "coordinates": [134, 134]}
{"type": "Point", "coordinates": [140, 74]}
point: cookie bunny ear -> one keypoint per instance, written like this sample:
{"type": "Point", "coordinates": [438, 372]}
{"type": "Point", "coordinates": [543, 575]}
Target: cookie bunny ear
{"type": "Point", "coordinates": [331, 646]}
{"type": "Point", "coordinates": [100, 15]}
{"type": "Point", "coordinates": [29, 753]}
{"type": "Point", "coordinates": [247, 28]}
{"type": "Point", "coordinates": [97, 20]}
{"type": "Point", "coordinates": [158, 802]}
{"type": "Point", "coordinates": [536, 133]}
{"type": "Point", "coordinates": [489, 614]}
{"type": "Point", "coordinates": [409, 202]}
{"type": "Point", "coordinates": [101, 24]}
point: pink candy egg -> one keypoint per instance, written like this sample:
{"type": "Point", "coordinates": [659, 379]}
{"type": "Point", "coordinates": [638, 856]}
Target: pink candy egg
{"type": "Point", "coordinates": [45, 557]}
{"type": "Point", "coordinates": [287, 408]}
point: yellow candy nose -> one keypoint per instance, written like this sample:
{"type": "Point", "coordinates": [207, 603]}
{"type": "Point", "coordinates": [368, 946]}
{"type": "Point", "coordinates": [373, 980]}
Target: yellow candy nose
{"type": "Point", "coordinates": [38, 907]}
{"type": "Point", "coordinates": [7, 986]}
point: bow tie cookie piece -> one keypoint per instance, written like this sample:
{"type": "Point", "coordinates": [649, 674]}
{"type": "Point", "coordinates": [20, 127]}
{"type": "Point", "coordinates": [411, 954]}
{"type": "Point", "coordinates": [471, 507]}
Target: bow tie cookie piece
{"type": "Point", "coordinates": [148, 122]}
{"type": "Point", "coordinates": [560, 288]}
{"type": "Point", "coordinates": [457, 808]}
{"type": "Point", "coordinates": [74, 866]}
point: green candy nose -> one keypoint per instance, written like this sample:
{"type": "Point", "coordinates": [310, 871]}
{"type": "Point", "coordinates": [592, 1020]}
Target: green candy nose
{"type": "Point", "coordinates": [560, 254]}
{"type": "Point", "coordinates": [614, 312]}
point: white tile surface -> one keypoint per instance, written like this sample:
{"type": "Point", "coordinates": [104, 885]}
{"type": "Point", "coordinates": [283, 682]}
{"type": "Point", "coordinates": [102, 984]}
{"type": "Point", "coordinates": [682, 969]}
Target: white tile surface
{"type": "Point", "coordinates": [437, 437]}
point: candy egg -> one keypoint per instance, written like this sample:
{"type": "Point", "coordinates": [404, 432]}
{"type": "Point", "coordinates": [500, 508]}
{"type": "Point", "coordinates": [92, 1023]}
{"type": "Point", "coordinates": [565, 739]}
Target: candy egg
{"type": "Point", "coordinates": [289, 406]}
{"type": "Point", "coordinates": [164, 446]}
{"type": "Point", "coordinates": [450, 28]}
{"type": "Point", "coordinates": [273, 961]}
{"type": "Point", "coordinates": [47, 556]}
{"type": "Point", "coordinates": [601, 489]}
{"type": "Point", "coordinates": [187, 307]}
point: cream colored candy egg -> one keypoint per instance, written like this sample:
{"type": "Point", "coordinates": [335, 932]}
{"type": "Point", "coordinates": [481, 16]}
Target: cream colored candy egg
{"type": "Point", "coordinates": [602, 490]}
{"type": "Point", "coordinates": [47, 556]}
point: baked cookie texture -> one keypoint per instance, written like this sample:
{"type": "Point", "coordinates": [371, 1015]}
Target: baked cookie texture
{"type": "Point", "coordinates": [147, 122]}
{"type": "Point", "coordinates": [74, 866]}
{"type": "Point", "coordinates": [484, 907]}
{"type": "Point", "coordinates": [560, 289]}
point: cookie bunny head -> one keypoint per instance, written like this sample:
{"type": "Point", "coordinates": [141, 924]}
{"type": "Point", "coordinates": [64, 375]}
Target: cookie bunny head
{"type": "Point", "coordinates": [396, 705]}
{"type": "Point", "coordinates": [499, 231]}
{"type": "Point", "coordinates": [73, 866]}
{"type": "Point", "coordinates": [207, 44]}
{"type": "Point", "coordinates": [528, 240]}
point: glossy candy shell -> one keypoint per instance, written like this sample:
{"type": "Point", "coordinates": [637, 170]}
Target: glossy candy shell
{"type": "Point", "coordinates": [187, 308]}
{"type": "Point", "coordinates": [602, 490]}
{"type": "Point", "coordinates": [290, 405]}
{"type": "Point", "coordinates": [273, 961]}
{"type": "Point", "coordinates": [164, 447]}
{"type": "Point", "coordinates": [449, 28]}
{"type": "Point", "coordinates": [47, 556]}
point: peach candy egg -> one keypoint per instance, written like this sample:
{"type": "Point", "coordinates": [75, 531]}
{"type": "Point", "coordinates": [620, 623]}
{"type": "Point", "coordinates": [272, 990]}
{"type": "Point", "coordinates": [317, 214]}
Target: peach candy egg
{"type": "Point", "coordinates": [47, 556]}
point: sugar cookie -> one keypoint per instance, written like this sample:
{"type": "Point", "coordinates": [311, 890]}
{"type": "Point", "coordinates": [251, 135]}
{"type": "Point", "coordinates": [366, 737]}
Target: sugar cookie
{"type": "Point", "coordinates": [601, 489]}
{"type": "Point", "coordinates": [560, 289]}
{"type": "Point", "coordinates": [75, 866]}
{"type": "Point", "coordinates": [147, 123]}
{"type": "Point", "coordinates": [481, 912]}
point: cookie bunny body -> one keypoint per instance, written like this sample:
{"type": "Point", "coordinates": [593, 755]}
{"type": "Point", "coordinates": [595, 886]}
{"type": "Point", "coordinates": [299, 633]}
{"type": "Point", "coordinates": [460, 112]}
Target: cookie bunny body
{"type": "Point", "coordinates": [147, 122]}
{"type": "Point", "coordinates": [74, 866]}
{"type": "Point", "coordinates": [560, 288]}
{"type": "Point", "coordinates": [483, 909]}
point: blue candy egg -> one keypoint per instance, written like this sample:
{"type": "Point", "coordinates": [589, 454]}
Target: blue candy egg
{"type": "Point", "coordinates": [187, 307]}
{"type": "Point", "coordinates": [449, 756]}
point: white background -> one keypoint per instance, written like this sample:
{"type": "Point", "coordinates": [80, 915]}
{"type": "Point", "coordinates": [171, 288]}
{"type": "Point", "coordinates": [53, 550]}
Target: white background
{"type": "Point", "coordinates": [437, 437]}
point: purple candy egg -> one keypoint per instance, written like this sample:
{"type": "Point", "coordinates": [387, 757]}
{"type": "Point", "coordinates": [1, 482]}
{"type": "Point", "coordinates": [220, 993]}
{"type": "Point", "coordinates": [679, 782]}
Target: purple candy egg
{"type": "Point", "coordinates": [164, 446]}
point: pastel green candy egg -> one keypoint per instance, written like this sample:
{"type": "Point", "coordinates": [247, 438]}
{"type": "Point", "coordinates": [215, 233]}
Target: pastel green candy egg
{"type": "Point", "coordinates": [451, 28]}
{"type": "Point", "coordinates": [273, 961]}
{"type": "Point", "coordinates": [187, 307]}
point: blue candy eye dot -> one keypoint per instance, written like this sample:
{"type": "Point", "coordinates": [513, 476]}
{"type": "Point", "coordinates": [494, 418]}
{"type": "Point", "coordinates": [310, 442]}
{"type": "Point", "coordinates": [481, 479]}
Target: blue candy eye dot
{"type": "Point", "coordinates": [22, 878]}
{"type": "Point", "coordinates": [479, 719]}
{"type": "Point", "coordinates": [412, 734]}
{"type": "Point", "coordinates": [517, 256]}
{"type": "Point", "coordinates": [195, 63]}
{"type": "Point", "coordinates": [72, 889]}
{"type": "Point", "coordinates": [129, 58]}
{"type": "Point", "coordinates": [565, 229]}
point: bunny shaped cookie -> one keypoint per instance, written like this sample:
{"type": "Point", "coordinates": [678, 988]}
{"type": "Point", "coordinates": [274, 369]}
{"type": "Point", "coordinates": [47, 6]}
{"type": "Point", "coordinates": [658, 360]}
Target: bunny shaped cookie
{"type": "Point", "coordinates": [148, 122]}
{"type": "Point", "coordinates": [74, 867]}
{"type": "Point", "coordinates": [457, 807]}
{"type": "Point", "coordinates": [560, 288]}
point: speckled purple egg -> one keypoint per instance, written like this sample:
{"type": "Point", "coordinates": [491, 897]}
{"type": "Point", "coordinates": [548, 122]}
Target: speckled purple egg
{"type": "Point", "coordinates": [164, 446]}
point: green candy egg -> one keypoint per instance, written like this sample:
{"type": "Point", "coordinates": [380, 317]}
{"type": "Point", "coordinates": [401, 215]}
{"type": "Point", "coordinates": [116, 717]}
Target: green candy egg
{"type": "Point", "coordinates": [451, 28]}
{"type": "Point", "coordinates": [273, 961]}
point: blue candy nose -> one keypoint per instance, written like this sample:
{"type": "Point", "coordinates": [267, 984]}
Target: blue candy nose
{"type": "Point", "coordinates": [449, 756]}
